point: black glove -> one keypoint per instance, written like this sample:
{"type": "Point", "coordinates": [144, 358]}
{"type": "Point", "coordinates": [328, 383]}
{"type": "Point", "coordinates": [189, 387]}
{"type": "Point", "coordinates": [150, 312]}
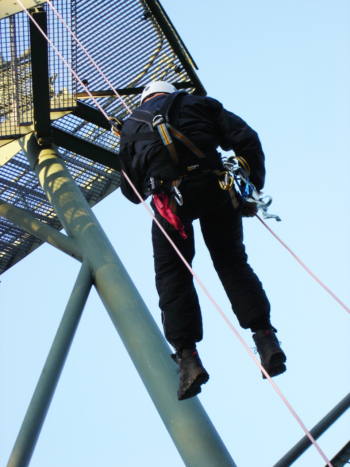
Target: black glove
{"type": "Point", "coordinates": [249, 209]}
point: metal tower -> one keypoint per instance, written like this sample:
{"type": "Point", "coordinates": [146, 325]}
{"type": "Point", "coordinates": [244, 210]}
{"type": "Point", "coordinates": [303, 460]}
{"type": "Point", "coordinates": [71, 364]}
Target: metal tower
{"type": "Point", "coordinates": [58, 158]}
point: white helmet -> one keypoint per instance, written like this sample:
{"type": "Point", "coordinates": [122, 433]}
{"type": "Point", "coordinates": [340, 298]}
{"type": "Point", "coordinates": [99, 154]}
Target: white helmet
{"type": "Point", "coordinates": [157, 86]}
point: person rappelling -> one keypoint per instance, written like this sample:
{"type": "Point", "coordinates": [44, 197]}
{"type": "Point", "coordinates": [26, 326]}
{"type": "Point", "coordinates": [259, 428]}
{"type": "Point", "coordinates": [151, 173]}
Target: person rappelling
{"type": "Point", "coordinates": [168, 149]}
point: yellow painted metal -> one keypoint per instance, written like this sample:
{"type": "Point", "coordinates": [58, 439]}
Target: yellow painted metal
{"type": "Point", "coordinates": [187, 422]}
{"type": "Point", "coordinates": [11, 7]}
{"type": "Point", "coordinates": [41, 230]}
{"type": "Point", "coordinates": [10, 147]}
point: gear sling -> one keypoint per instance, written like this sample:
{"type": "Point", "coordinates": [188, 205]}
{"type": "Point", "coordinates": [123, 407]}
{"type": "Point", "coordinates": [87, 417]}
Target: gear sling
{"type": "Point", "coordinates": [156, 186]}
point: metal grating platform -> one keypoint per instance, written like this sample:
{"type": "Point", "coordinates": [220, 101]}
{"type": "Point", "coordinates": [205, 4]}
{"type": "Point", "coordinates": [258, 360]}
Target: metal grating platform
{"type": "Point", "coordinates": [135, 52]}
{"type": "Point", "coordinates": [16, 71]}
{"type": "Point", "coordinates": [20, 187]}
{"type": "Point", "coordinates": [139, 45]}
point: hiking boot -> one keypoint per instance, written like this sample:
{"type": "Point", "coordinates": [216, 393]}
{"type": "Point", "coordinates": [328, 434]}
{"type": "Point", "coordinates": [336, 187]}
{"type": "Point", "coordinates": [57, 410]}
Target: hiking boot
{"type": "Point", "coordinates": [192, 373]}
{"type": "Point", "coordinates": [271, 355]}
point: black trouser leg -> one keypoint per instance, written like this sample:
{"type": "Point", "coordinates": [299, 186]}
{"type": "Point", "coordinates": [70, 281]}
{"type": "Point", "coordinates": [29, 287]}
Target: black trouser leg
{"type": "Point", "coordinates": [223, 234]}
{"type": "Point", "coordinates": [178, 299]}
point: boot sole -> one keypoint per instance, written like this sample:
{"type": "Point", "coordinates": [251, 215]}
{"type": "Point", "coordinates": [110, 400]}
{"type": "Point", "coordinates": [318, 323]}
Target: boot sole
{"type": "Point", "coordinates": [276, 365]}
{"type": "Point", "coordinates": [194, 387]}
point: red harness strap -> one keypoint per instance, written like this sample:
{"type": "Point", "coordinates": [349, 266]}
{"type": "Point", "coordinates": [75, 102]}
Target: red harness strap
{"type": "Point", "coordinates": [162, 204]}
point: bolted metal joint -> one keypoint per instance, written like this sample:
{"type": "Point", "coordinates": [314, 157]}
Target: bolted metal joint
{"type": "Point", "coordinates": [44, 141]}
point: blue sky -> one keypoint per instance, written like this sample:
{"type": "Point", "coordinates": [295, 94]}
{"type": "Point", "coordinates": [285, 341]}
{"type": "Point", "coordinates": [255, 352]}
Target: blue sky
{"type": "Point", "coordinates": [284, 68]}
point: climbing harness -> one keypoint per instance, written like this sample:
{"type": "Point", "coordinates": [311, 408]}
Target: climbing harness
{"type": "Point", "coordinates": [164, 232]}
{"type": "Point", "coordinates": [234, 179]}
{"type": "Point", "coordinates": [161, 129]}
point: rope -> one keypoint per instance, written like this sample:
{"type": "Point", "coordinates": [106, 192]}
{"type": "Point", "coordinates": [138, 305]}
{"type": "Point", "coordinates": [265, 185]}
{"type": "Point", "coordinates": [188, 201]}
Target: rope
{"type": "Point", "coordinates": [88, 56]}
{"type": "Point", "coordinates": [63, 59]}
{"type": "Point", "coordinates": [308, 434]}
{"type": "Point", "coordinates": [167, 236]}
{"type": "Point", "coordinates": [304, 266]}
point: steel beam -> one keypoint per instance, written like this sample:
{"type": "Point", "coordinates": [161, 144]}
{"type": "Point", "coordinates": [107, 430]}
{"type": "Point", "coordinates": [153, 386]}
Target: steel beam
{"type": "Point", "coordinates": [90, 114]}
{"type": "Point", "coordinates": [44, 391]}
{"type": "Point", "coordinates": [126, 92]}
{"type": "Point", "coordinates": [9, 7]}
{"type": "Point", "coordinates": [188, 424]}
{"type": "Point", "coordinates": [40, 76]}
{"type": "Point", "coordinates": [176, 44]}
{"type": "Point", "coordinates": [91, 151]}
{"type": "Point", "coordinates": [9, 150]}
{"type": "Point", "coordinates": [316, 432]}
{"type": "Point", "coordinates": [48, 234]}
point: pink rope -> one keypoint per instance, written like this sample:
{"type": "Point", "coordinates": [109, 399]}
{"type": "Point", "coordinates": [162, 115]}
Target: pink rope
{"type": "Point", "coordinates": [308, 434]}
{"type": "Point", "coordinates": [63, 59]}
{"type": "Point", "coordinates": [304, 266]}
{"type": "Point", "coordinates": [167, 236]}
{"type": "Point", "coordinates": [88, 56]}
{"type": "Point", "coordinates": [128, 109]}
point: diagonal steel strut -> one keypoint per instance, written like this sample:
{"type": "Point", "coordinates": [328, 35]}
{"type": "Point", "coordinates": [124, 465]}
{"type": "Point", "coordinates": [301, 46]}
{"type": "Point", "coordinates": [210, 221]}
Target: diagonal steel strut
{"type": "Point", "coordinates": [44, 391]}
{"type": "Point", "coordinates": [187, 422]}
{"type": "Point", "coordinates": [48, 234]}
{"type": "Point", "coordinates": [327, 421]}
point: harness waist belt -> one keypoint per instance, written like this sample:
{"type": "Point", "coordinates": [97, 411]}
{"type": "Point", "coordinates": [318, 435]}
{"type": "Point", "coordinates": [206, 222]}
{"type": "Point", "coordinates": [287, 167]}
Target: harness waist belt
{"type": "Point", "coordinates": [187, 169]}
{"type": "Point", "coordinates": [163, 178]}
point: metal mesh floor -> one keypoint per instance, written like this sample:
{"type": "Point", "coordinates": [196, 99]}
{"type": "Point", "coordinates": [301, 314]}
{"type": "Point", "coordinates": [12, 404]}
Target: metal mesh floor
{"type": "Point", "coordinates": [19, 186]}
{"type": "Point", "coordinates": [16, 71]}
{"type": "Point", "coordinates": [133, 42]}
{"type": "Point", "coordinates": [135, 50]}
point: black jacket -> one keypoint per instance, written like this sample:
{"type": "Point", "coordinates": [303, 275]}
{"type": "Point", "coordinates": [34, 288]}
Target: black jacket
{"type": "Point", "coordinates": [206, 123]}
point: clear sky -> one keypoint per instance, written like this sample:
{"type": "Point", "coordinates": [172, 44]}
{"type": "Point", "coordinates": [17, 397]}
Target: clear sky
{"type": "Point", "coordinates": [283, 67]}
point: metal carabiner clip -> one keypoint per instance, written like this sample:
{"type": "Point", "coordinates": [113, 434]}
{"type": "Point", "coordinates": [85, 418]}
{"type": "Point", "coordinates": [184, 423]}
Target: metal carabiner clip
{"type": "Point", "coordinates": [116, 125]}
{"type": "Point", "coordinates": [227, 183]}
{"type": "Point", "coordinates": [178, 196]}
{"type": "Point", "coordinates": [158, 120]}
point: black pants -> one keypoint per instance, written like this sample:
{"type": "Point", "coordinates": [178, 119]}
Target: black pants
{"type": "Point", "coordinates": [222, 231]}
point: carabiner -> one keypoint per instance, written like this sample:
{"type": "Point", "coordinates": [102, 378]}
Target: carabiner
{"type": "Point", "coordinates": [178, 196]}
{"type": "Point", "coordinates": [158, 120]}
{"type": "Point", "coordinates": [227, 183]}
{"type": "Point", "coordinates": [116, 125]}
